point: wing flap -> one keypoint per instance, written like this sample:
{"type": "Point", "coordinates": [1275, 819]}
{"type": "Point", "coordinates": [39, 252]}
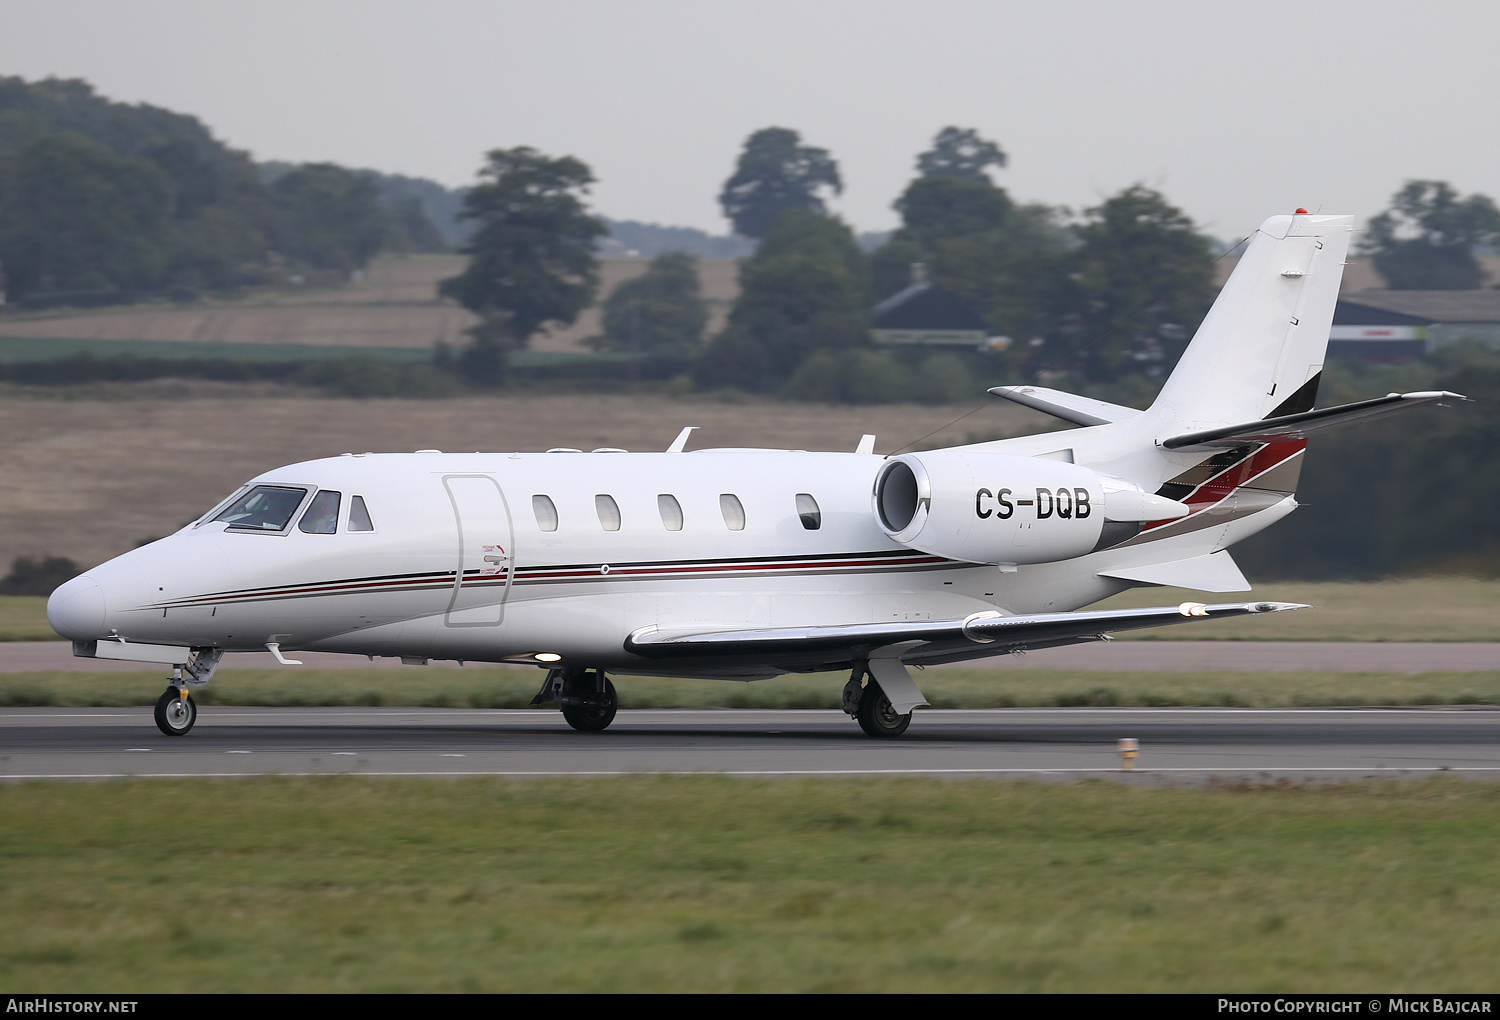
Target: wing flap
{"type": "Point", "coordinates": [1006, 633]}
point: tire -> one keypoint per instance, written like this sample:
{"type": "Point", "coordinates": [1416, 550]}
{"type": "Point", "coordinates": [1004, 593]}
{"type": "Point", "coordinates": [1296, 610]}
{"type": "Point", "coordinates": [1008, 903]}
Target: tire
{"type": "Point", "coordinates": [175, 713]}
{"type": "Point", "coordinates": [594, 715]}
{"type": "Point", "coordinates": [876, 716]}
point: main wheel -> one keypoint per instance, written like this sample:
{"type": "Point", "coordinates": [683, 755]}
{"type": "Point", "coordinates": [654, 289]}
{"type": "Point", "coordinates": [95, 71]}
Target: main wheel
{"type": "Point", "coordinates": [175, 712]}
{"type": "Point", "coordinates": [592, 711]}
{"type": "Point", "coordinates": [876, 716]}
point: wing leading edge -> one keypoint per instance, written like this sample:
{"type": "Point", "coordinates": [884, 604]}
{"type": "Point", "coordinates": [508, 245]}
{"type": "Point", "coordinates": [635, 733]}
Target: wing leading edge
{"type": "Point", "coordinates": [1068, 406]}
{"type": "Point", "coordinates": [992, 631]}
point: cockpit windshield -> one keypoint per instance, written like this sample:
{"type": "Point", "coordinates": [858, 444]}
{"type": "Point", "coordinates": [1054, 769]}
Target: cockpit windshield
{"type": "Point", "coordinates": [264, 508]}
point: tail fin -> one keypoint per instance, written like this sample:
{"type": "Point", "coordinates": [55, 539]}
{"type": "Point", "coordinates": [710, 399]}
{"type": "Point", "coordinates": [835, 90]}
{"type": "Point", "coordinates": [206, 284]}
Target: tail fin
{"type": "Point", "coordinates": [1259, 353]}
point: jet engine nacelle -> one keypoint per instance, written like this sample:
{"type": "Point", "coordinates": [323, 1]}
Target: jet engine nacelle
{"type": "Point", "coordinates": [996, 508]}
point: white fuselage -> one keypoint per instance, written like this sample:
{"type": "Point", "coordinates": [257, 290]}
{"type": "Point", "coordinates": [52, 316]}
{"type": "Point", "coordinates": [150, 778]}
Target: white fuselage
{"type": "Point", "coordinates": [459, 565]}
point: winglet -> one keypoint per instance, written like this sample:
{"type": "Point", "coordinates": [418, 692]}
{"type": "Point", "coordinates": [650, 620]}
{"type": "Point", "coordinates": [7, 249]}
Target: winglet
{"type": "Point", "coordinates": [866, 444]}
{"type": "Point", "coordinates": [680, 442]}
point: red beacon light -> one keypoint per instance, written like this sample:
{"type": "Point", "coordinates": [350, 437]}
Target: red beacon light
{"type": "Point", "coordinates": [1300, 212]}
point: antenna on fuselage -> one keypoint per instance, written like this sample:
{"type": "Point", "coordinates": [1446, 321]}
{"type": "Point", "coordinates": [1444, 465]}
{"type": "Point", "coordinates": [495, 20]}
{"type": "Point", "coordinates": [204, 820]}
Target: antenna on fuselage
{"type": "Point", "coordinates": [681, 441]}
{"type": "Point", "coordinates": [866, 444]}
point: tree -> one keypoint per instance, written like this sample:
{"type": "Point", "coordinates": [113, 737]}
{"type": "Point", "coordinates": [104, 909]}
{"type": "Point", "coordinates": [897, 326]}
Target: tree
{"type": "Point", "coordinates": [1142, 280]}
{"type": "Point", "coordinates": [1004, 261]}
{"type": "Point", "coordinates": [222, 215]}
{"type": "Point", "coordinates": [38, 577]}
{"type": "Point", "coordinates": [410, 229]}
{"type": "Point", "coordinates": [531, 254]}
{"type": "Point", "coordinates": [952, 198]}
{"type": "Point", "coordinates": [774, 174]}
{"type": "Point", "coordinates": [1426, 240]}
{"type": "Point", "coordinates": [659, 312]}
{"type": "Point", "coordinates": [960, 153]}
{"type": "Point", "coordinates": [329, 217]}
{"type": "Point", "coordinates": [935, 208]}
{"type": "Point", "coordinates": [803, 290]}
{"type": "Point", "coordinates": [76, 217]}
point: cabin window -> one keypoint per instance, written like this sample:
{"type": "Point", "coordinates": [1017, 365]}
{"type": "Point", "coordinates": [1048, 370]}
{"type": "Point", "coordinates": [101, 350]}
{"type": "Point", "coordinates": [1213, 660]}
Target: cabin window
{"type": "Point", "coordinates": [322, 514]}
{"type": "Point", "coordinates": [545, 512]}
{"type": "Point", "coordinates": [359, 516]}
{"type": "Point", "coordinates": [671, 512]}
{"type": "Point", "coordinates": [264, 508]}
{"type": "Point", "coordinates": [808, 512]}
{"type": "Point", "coordinates": [608, 511]}
{"type": "Point", "coordinates": [733, 511]}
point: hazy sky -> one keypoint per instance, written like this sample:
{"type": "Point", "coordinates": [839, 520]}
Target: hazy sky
{"type": "Point", "coordinates": [1235, 110]}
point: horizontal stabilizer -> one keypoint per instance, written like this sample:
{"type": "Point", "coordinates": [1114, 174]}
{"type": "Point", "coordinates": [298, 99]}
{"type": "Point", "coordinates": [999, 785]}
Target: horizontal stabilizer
{"type": "Point", "coordinates": [1297, 426]}
{"type": "Point", "coordinates": [1006, 633]}
{"type": "Point", "coordinates": [1213, 572]}
{"type": "Point", "coordinates": [1067, 406]}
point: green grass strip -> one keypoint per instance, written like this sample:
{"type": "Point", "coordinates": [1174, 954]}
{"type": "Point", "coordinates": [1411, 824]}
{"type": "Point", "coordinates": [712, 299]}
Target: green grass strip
{"type": "Point", "coordinates": [944, 688]}
{"type": "Point", "coordinates": [346, 884]}
{"type": "Point", "coordinates": [22, 349]}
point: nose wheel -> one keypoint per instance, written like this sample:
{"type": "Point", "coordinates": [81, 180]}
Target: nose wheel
{"type": "Point", "coordinates": [175, 712]}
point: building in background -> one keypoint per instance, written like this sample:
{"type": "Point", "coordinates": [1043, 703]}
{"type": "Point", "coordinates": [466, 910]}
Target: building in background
{"type": "Point", "coordinates": [926, 316]}
{"type": "Point", "coordinates": [1386, 325]}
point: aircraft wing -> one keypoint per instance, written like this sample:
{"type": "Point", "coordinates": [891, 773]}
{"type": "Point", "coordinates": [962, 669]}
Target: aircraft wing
{"type": "Point", "coordinates": [1067, 406]}
{"type": "Point", "coordinates": [1296, 426]}
{"type": "Point", "coordinates": [993, 629]}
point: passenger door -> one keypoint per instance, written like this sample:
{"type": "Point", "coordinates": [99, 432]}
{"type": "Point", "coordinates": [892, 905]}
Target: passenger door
{"type": "Point", "coordinates": [486, 553]}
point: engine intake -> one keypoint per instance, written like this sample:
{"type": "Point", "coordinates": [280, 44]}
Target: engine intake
{"type": "Point", "coordinates": [997, 508]}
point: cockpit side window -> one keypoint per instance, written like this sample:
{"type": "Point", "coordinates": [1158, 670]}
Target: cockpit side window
{"type": "Point", "coordinates": [263, 508]}
{"type": "Point", "coordinates": [359, 516]}
{"type": "Point", "coordinates": [322, 514]}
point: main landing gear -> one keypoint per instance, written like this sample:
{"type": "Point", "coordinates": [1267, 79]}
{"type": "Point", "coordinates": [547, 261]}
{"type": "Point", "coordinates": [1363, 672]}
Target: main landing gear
{"type": "Point", "coordinates": [176, 711]}
{"type": "Point", "coordinates": [871, 707]}
{"type": "Point", "coordinates": [586, 697]}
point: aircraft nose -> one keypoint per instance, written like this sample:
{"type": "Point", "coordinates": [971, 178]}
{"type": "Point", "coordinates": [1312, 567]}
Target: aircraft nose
{"type": "Point", "coordinates": [76, 609]}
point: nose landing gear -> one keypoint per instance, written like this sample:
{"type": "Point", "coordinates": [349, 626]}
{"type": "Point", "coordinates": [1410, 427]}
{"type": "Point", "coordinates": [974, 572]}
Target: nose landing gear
{"type": "Point", "coordinates": [175, 710]}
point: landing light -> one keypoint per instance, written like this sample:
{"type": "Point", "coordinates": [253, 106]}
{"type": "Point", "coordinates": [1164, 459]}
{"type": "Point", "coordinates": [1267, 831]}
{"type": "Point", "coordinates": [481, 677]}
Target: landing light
{"type": "Point", "coordinates": [547, 657]}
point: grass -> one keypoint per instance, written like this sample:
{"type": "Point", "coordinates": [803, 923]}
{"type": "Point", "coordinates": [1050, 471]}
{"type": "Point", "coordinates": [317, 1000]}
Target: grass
{"type": "Point", "coordinates": [945, 688]}
{"type": "Point", "coordinates": [23, 349]}
{"type": "Point", "coordinates": [343, 884]}
{"type": "Point", "coordinates": [24, 618]}
{"type": "Point", "coordinates": [1407, 609]}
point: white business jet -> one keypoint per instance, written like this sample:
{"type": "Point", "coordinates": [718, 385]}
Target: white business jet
{"type": "Point", "coordinates": [743, 564]}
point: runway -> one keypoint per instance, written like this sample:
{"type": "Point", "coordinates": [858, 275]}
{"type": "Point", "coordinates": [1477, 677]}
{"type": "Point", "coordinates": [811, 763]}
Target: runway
{"type": "Point", "coordinates": [1178, 746]}
{"type": "Point", "coordinates": [1127, 656]}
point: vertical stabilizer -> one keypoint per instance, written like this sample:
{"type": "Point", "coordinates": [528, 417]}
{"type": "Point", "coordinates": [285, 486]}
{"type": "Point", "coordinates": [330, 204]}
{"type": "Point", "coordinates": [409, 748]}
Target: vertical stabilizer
{"type": "Point", "coordinates": [1259, 352]}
